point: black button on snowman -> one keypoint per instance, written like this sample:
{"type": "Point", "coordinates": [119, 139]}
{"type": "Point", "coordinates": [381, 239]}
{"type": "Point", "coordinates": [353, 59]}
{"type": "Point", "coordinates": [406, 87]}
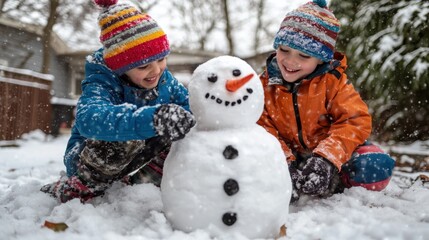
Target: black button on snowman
{"type": "Point", "coordinates": [229, 218]}
{"type": "Point", "coordinates": [230, 152]}
{"type": "Point", "coordinates": [228, 176]}
{"type": "Point", "coordinates": [230, 186]}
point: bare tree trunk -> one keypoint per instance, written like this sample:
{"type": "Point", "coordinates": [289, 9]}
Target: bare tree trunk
{"type": "Point", "coordinates": [47, 33]}
{"type": "Point", "coordinates": [260, 12]}
{"type": "Point", "coordinates": [203, 39]}
{"type": "Point", "coordinates": [198, 19]}
{"type": "Point", "coordinates": [2, 2]}
{"type": "Point", "coordinates": [228, 28]}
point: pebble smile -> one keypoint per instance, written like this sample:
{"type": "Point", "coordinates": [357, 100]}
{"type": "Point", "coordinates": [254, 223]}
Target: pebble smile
{"type": "Point", "coordinates": [229, 103]}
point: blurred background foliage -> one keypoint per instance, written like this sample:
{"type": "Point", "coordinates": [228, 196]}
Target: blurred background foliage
{"type": "Point", "coordinates": [387, 45]}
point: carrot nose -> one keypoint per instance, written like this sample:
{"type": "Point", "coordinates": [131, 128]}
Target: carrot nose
{"type": "Point", "coordinates": [234, 84]}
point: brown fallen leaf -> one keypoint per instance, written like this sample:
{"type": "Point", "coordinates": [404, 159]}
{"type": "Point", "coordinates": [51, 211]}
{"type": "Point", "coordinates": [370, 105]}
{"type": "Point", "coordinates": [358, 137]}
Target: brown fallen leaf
{"type": "Point", "coordinates": [282, 233]}
{"type": "Point", "coordinates": [423, 178]}
{"type": "Point", "coordinates": [56, 227]}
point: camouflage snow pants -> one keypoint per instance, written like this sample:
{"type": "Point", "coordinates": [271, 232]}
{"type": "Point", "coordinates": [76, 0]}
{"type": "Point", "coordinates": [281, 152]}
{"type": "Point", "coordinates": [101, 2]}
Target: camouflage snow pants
{"type": "Point", "coordinates": [102, 162]}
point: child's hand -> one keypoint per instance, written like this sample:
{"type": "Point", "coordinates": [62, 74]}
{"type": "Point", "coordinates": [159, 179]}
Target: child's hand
{"type": "Point", "coordinates": [173, 121]}
{"type": "Point", "coordinates": [316, 176]}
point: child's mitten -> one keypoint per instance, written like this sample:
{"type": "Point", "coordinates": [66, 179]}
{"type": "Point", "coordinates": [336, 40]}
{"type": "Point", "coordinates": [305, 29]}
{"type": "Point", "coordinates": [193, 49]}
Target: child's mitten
{"type": "Point", "coordinates": [316, 176]}
{"type": "Point", "coordinates": [173, 121]}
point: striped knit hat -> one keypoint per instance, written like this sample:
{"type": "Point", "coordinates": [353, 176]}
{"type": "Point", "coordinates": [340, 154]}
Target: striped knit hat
{"type": "Point", "coordinates": [312, 28]}
{"type": "Point", "coordinates": [130, 38]}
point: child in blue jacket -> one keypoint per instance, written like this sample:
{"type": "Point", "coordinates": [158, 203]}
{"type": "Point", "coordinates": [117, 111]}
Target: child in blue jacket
{"type": "Point", "coordinates": [130, 110]}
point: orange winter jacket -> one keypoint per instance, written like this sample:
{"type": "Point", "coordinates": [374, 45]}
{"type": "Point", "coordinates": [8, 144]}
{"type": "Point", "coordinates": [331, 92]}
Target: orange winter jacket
{"type": "Point", "coordinates": [322, 114]}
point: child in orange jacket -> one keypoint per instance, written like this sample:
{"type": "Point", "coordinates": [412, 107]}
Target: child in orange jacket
{"type": "Point", "coordinates": [314, 111]}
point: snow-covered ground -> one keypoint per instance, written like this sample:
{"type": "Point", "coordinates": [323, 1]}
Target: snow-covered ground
{"type": "Point", "coordinates": [401, 211]}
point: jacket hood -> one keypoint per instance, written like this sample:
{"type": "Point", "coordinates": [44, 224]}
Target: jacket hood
{"type": "Point", "coordinates": [95, 64]}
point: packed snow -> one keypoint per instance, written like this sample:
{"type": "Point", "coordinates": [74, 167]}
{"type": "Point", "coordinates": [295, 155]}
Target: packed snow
{"type": "Point", "coordinates": [401, 211]}
{"type": "Point", "coordinates": [229, 175]}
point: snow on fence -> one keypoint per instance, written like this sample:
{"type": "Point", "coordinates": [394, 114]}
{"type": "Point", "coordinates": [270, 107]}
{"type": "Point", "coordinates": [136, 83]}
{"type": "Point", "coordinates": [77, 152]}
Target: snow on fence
{"type": "Point", "coordinates": [24, 102]}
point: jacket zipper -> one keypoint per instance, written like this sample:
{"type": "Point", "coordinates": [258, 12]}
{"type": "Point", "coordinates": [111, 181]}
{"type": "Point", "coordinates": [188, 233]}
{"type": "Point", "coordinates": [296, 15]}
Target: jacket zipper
{"type": "Point", "coordinates": [298, 119]}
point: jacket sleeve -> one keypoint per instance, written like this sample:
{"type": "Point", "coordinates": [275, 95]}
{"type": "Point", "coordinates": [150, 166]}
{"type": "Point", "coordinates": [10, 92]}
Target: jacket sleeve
{"type": "Point", "coordinates": [100, 116]}
{"type": "Point", "coordinates": [179, 92]}
{"type": "Point", "coordinates": [351, 122]}
{"type": "Point", "coordinates": [266, 122]}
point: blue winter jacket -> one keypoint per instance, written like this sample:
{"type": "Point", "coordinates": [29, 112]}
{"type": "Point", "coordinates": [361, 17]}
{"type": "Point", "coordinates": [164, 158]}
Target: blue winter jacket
{"type": "Point", "coordinates": [109, 109]}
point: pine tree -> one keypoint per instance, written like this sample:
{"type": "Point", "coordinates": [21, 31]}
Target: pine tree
{"type": "Point", "coordinates": [387, 45]}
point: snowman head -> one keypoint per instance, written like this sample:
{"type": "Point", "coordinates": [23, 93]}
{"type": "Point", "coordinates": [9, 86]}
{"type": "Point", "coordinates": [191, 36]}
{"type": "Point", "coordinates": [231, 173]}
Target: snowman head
{"type": "Point", "coordinates": [225, 92]}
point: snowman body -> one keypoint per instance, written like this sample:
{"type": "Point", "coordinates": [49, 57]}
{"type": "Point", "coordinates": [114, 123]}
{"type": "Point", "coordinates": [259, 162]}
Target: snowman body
{"type": "Point", "coordinates": [228, 175]}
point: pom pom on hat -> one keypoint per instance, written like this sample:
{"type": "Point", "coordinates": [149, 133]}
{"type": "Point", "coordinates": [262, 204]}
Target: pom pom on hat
{"type": "Point", "coordinates": [321, 3]}
{"type": "Point", "coordinates": [312, 28]}
{"type": "Point", "coordinates": [105, 3]}
{"type": "Point", "coordinates": [130, 38]}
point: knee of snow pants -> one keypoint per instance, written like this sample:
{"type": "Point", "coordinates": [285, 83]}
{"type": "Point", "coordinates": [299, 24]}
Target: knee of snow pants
{"type": "Point", "coordinates": [370, 167]}
{"type": "Point", "coordinates": [103, 161]}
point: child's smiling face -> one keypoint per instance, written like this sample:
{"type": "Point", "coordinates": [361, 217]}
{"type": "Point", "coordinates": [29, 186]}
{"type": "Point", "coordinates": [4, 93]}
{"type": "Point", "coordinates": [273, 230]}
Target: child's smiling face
{"type": "Point", "coordinates": [295, 65]}
{"type": "Point", "coordinates": [147, 76]}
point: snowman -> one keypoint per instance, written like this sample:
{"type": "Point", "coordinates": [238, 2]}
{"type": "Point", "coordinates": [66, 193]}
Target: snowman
{"type": "Point", "coordinates": [228, 176]}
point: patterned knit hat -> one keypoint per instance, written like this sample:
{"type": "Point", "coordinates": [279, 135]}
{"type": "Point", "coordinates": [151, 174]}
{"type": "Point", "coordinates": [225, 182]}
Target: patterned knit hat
{"type": "Point", "coordinates": [312, 28]}
{"type": "Point", "coordinates": [130, 38]}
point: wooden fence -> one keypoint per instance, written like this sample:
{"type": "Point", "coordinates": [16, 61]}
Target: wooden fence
{"type": "Point", "coordinates": [24, 102]}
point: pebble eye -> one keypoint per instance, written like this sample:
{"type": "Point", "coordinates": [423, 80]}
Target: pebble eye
{"type": "Point", "coordinates": [236, 72]}
{"type": "Point", "coordinates": [212, 78]}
